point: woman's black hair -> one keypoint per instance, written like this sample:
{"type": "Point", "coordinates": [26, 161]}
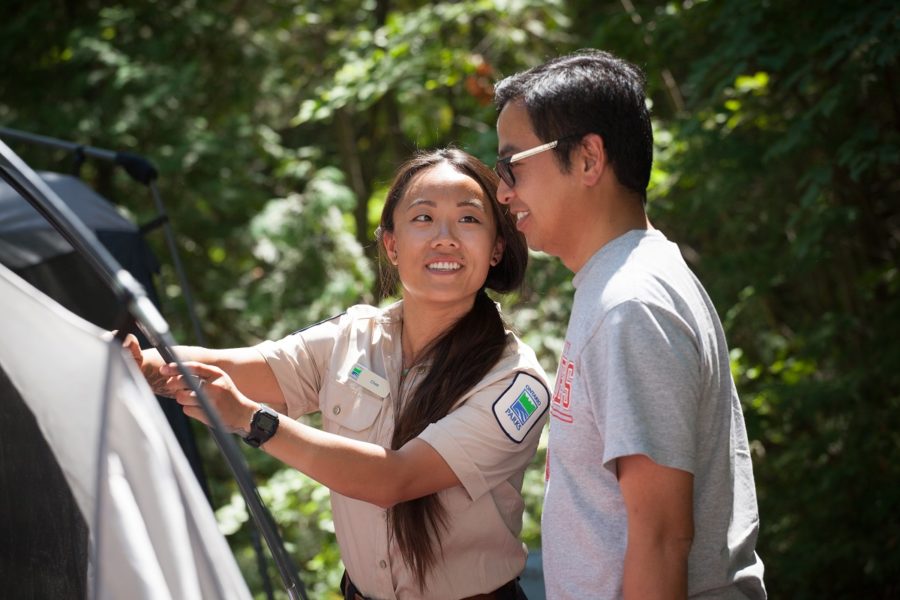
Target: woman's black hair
{"type": "Point", "coordinates": [459, 358]}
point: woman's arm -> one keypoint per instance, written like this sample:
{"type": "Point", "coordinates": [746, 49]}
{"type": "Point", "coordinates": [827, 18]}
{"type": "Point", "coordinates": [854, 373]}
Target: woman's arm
{"type": "Point", "coordinates": [245, 366]}
{"type": "Point", "coordinates": [353, 468]}
{"type": "Point", "coordinates": [361, 470]}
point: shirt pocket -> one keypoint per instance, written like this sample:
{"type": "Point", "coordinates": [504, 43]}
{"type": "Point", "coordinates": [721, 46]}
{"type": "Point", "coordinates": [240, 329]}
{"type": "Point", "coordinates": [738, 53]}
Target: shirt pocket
{"type": "Point", "coordinates": [347, 406]}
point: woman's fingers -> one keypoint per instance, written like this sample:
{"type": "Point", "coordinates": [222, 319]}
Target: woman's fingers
{"type": "Point", "coordinates": [202, 370]}
{"type": "Point", "coordinates": [179, 382]}
{"type": "Point", "coordinates": [200, 373]}
{"type": "Point", "coordinates": [134, 348]}
{"type": "Point", "coordinates": [217, 387]}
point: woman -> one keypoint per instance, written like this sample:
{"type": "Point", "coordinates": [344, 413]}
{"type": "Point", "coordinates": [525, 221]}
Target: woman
{"type": "Point", "coordinates": [431, 409]}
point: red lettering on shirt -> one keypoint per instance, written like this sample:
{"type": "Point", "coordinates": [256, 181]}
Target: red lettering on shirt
{"type": "Point", "coordinates": [562, 395]}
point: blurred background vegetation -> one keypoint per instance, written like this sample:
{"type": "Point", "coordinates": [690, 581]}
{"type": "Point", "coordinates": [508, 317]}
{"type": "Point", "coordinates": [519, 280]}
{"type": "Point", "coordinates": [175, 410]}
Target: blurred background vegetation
{"type": "Point", "coordinates": [276, 126]}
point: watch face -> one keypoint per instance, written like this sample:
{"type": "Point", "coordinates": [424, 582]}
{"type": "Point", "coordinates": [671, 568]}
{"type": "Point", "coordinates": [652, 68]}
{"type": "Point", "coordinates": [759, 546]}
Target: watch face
{"type": "Point", "coordinates": [263, 426]}
{"type": "Point", "coordinates": [265, 421]}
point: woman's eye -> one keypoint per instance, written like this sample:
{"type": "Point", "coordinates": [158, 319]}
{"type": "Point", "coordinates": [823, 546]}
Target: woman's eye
{"type": "Point", "coordinates": [470, 219]}
{"type": "Point", "coordinates": [422, 218]}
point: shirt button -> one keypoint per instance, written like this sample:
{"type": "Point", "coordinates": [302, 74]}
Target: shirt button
{"type": "Point", "coordinates": [382, 564]}
{"type": "Point", "coordinates": [336, 410]}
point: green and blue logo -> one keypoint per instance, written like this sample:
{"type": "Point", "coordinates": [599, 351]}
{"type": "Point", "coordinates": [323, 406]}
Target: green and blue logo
{"type": "Point", "coordinates": [523, 407]}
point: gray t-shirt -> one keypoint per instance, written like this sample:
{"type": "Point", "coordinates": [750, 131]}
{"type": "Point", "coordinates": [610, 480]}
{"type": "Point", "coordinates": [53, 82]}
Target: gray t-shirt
{"type": "Point", "coordinates": [645, 370]}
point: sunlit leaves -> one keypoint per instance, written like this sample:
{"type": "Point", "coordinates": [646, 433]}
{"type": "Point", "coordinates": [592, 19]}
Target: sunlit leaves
{"type": "Point", "coordinates": [777, 149]}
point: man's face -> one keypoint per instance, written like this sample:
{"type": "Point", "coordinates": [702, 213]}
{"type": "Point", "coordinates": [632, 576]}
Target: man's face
{"type": "Point", "coordinates": [541, 187]}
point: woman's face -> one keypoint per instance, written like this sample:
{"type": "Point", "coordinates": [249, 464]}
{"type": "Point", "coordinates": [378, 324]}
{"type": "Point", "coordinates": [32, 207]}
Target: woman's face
{"type": "Point", "coordinates": [445, 237]}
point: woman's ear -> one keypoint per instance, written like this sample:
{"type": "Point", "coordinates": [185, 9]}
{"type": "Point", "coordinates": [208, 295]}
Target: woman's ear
{"type": "Point", "coordinates": [390, 246]}
{"type": "Point", "coordinates": [593, 159]}
{"type": "Point", "coordinates": [497, 254]}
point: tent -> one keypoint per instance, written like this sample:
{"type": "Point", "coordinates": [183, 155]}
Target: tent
{"type": "Point", "coordinates": [31, 247]}
{"type": "Point", "coordinates": [35, 251]}
{"type": "Point", "coordinates": [85, 451]}
{"type": "Point", "coordinates": [148, 535]}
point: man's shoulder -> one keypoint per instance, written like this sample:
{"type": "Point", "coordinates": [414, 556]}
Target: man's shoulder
{"type": "Point", "coordinates": [630, 282]}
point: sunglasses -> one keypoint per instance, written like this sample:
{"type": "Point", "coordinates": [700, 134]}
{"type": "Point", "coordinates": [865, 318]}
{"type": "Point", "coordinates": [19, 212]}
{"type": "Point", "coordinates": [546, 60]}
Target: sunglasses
{"type": "Point", "coordinates": [503, 167]}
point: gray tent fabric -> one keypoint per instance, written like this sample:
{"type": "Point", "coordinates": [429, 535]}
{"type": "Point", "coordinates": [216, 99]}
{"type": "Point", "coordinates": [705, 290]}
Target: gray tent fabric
{"type": "Point", "coordinates": [35, 251]}
{"type": "Point", "coordinates": [152, 529]}
{"type": "Point", "coordinates": [26, 238]}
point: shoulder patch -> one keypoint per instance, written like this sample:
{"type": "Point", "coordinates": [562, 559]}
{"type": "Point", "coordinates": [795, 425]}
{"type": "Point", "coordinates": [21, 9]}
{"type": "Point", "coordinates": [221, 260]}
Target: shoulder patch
{"type": "Point", "coordinates": [520, 406]}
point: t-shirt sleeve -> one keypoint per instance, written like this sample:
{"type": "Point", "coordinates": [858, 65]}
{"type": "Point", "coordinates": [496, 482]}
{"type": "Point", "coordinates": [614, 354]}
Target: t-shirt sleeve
{"type": "Point", "coordinates": [299, 362]}
{"type": "Point", "coordinates": [494, 433]}
{"type": "Point", "coordinates": [647, 366]}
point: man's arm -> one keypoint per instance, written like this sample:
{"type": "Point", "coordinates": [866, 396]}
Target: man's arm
{"type": "Point", "coordinates": [659, 504]}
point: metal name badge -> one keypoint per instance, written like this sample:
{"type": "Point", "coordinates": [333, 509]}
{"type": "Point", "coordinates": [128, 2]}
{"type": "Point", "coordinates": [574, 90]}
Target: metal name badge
{"type": "Point", "coordinates": [369, 380]}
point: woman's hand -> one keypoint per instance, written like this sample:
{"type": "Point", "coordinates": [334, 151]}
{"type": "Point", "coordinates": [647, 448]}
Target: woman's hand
{"type": "Point", "coordinates": [234, 408]}
{"type": "Point", "coordinates": [131, 344]}
{"type": "Point", "coordinates": [149, 362]}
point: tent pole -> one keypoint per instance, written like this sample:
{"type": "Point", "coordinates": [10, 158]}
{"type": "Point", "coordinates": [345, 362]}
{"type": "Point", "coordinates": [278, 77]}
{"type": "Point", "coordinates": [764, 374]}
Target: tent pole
{"type": "Point", "coordinates": [27, 183]}
{"type": "Point", "coordinates": [176, 261]}
{"type": "Point", "coordinates": [34, 138]}
{"type": "Point", "coordinates": [141, 170]}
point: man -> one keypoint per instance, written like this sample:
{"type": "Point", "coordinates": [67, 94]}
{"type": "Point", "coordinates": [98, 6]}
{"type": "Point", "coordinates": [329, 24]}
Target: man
{"type": "Point", "coordinates": [650, 489]}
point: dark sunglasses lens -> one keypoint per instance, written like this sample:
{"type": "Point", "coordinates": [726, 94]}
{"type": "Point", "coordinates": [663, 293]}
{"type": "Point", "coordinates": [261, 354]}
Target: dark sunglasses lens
{"type": "Point", "coordinates": [505, 172]}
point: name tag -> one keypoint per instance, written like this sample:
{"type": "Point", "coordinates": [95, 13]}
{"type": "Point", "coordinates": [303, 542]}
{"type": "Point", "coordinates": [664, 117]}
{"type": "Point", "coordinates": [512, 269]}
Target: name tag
{"type": "Point", "coordinates": [369, 380]}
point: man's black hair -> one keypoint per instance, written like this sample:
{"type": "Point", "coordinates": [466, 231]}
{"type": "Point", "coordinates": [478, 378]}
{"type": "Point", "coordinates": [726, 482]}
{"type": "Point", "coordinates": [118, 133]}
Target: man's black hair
{"type": "Point", "coordinates": [590, 91]}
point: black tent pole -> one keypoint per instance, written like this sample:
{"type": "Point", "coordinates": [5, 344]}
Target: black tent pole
{"type": "Point", "coordinates": [176, 261]}
{"type": "Point", "coordinates": [27, 183]}
{"type": "Point", "coordinates": [141, 170]}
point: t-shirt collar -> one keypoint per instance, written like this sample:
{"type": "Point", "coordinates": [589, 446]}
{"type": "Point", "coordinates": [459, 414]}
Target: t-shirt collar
{"type": "Point", "coordinates": [627, 241]}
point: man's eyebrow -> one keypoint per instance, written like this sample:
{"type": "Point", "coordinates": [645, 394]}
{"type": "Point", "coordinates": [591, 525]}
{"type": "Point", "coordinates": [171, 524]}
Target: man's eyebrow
{"type": "Point", "coordinates": [507, 150]}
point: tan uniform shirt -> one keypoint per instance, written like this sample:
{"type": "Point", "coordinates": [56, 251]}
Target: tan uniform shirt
{"type": "Point", "coordinates": [349, 369]}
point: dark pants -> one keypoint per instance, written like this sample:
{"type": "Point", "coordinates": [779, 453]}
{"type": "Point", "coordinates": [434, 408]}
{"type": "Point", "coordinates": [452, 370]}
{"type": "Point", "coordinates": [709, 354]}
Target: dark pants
{"type": "Point", "coordinates": [510, 590]}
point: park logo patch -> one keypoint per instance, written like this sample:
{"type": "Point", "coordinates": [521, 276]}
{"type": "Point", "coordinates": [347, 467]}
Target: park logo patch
{"type": "Point", "coordinates": [521, 406]}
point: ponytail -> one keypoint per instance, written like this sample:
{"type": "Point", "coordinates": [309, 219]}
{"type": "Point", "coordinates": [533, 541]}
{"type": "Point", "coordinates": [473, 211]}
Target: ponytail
{"type": "Point", "coordinates": [460, 358]}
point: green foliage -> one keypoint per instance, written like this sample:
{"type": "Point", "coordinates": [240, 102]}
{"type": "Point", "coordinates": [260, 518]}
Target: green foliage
{"type": "Point", "coordinates": [276, 128]}
{"type": "Point", "coordinates": [540, 312]}
{"type": "Point", "coordinates": [533, 493]}
{"type": "Point", "coordinates": [778, 134]}
{"type": "Point", "coordinates": [302, 511]}
{"type": "Point", "coordinates": [309, 264]}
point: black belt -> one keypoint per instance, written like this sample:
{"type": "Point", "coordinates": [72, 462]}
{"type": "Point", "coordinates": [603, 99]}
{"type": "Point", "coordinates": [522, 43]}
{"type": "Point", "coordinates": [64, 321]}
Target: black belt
{"type": "Point", "coordinates": [511, 590]}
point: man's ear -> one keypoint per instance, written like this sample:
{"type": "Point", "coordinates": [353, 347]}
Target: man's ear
{"type": "Point", "coordinates": [592, 161]}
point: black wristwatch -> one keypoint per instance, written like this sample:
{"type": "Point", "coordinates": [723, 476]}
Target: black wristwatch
{"type": "Point", "coordinates": [263, 426]}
